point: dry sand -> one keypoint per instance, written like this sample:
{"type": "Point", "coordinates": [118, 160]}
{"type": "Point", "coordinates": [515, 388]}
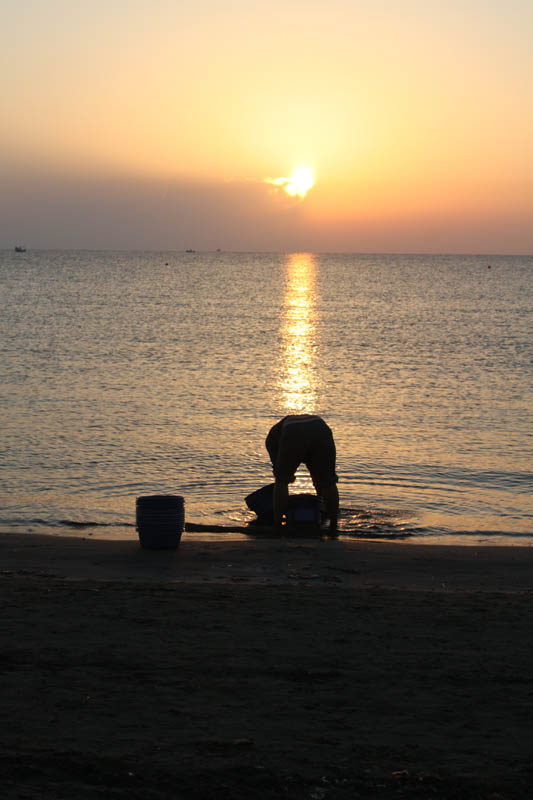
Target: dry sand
{"type": "Point", "coordinates": [274, 668]}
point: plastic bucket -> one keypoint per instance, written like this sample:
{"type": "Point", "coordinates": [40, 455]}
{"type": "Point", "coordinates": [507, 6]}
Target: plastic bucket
{"type": "Point", "coordinates": [302, 509]}
{"type": "Point", "coordinates": [160, 519]}
{"type": "Point", "coordinates": [305, 509]}
{"type": "Point", "coordinates": [261, 501]}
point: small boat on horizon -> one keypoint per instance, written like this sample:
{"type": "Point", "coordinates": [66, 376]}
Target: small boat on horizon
{"type": "Point", "coordinates": [19, 249]}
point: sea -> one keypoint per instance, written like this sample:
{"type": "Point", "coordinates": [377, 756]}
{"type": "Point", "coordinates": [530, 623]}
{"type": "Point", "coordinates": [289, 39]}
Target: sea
{"type": "Point", "coordinates": [125, 374]}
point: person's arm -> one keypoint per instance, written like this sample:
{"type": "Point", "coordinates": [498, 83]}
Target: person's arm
{"type": "Point", "coordinates": [280, 501]}
{"type": "Point", "coordinates": [272, 441]}
{"type": "Point", "coordinates": [280, 496]}
{"type": "Point", "coordinates": [331, 500]}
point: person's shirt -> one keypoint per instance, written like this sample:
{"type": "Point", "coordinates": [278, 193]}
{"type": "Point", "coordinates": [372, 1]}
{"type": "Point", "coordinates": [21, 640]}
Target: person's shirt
{"type": "Point", "coordinates": [275, 433]}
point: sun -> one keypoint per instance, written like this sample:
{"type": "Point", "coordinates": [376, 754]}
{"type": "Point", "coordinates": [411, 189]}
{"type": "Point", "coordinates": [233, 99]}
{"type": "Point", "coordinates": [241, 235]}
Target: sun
{"type": "Point", "coordinates": [301, 180]}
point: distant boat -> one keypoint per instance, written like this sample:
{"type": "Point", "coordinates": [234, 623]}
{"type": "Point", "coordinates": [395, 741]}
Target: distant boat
{"type": "Point", "coordinates": [19, 249]}
{"type": "Point", "coordinates": [189, 250]}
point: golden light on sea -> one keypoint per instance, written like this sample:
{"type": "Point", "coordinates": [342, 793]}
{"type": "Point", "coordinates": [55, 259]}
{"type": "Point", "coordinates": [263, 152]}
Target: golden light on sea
{"type": "Point", "coordinates": [298, 378]}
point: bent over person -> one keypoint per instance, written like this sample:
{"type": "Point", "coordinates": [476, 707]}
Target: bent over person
{"type": "Point", "coordinates": [303, 439]}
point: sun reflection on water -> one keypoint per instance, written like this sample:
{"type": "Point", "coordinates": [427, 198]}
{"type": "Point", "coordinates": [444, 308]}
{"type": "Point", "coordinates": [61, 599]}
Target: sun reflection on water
{"type": "Point", "coordinates": [298, 377]}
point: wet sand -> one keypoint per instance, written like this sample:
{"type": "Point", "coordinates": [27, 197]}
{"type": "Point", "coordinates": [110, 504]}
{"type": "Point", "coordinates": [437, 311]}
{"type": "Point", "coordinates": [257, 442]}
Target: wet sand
{"type": "Point", "coordinates": [274, 668]}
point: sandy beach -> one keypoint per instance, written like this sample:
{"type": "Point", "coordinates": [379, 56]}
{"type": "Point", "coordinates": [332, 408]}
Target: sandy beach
{"type": "Point", "coordinates": [267, 667]}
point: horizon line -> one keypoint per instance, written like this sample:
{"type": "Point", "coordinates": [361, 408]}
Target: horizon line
{"type": "Point", "coordinates": [199, 251]}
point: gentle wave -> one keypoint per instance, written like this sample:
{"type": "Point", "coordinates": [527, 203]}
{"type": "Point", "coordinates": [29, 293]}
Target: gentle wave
{"type": "Point", "coordinates": [429, 475]}
{"type": "Point", "coordinates": [63, 523]}
{"type": "Point", "coordinates": [353, 524]}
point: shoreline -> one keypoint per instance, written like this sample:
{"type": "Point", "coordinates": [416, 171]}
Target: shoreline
{"type": "Point", "coordinates": [215, 531]}
{"type": "Point", "coordinates": [274, 561]}
{"type": "Point", "coordinates": [269, 667]}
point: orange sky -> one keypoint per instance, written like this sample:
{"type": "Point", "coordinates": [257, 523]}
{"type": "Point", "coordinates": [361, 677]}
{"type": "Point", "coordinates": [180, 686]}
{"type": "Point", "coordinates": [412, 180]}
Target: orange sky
{"type": "Point", "coordinates": [416, 117]}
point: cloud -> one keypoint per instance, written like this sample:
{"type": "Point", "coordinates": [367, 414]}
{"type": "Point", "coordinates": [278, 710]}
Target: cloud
{"type": "Point", "coordinates": [59, 210]}
{"type": "Point", "coordinates": [298, 185]}
{"type": "Point", "coordinates": [116, 212]}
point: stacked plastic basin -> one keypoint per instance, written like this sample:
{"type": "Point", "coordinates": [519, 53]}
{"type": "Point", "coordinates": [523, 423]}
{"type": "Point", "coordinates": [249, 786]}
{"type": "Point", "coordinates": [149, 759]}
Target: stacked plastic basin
{"type": "Point", "coordinates": [160, 519]}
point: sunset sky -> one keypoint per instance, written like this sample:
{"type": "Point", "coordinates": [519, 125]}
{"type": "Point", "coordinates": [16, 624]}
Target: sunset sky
{"type": "Point", "coordinates": [166, 124]}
